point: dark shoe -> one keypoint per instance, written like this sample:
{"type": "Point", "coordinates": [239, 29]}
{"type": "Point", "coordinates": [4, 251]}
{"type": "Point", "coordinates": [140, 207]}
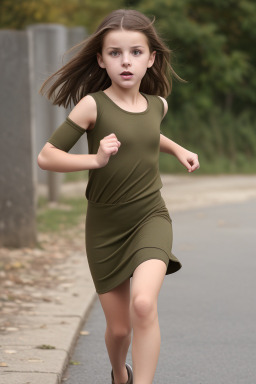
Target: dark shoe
{"type": "Point", "coordinates": [130, 376]}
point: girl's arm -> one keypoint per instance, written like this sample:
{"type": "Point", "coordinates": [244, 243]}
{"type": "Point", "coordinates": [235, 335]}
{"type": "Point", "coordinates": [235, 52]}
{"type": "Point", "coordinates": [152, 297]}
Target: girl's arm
{"type": "Point", "coordinates": [185, 157]}
{"type": "Point", "coordinates": [53, 159]}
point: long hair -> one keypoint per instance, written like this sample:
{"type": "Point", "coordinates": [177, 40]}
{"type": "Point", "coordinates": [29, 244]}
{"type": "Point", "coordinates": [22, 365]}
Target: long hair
{"type": "Point", "coordinates": [82, 74]}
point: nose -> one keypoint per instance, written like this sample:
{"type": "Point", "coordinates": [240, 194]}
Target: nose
{"type": "Point", "coordinates": [126, 61]}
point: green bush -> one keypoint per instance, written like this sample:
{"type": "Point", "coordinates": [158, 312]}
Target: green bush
{"type": "Point", "coordinates": [225, 143]}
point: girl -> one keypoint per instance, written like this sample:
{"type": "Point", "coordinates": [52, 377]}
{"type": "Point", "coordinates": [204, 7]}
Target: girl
{"type": "Point", "coordinates": [117, 82]}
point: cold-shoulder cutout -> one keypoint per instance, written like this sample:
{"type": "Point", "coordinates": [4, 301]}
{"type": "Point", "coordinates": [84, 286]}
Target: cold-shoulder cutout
{"type": "Point", "coordinates": [84, 114]}
{"type": "Point", "coordinates": [165, 105]}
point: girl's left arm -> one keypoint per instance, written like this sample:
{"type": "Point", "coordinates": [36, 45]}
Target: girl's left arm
{"type": "Point", "coordinates": [185, 157]}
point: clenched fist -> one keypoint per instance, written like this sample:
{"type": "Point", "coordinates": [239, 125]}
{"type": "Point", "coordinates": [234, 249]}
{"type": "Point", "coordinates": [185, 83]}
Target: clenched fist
{"type": "Point", "coordinates": [109, 146]}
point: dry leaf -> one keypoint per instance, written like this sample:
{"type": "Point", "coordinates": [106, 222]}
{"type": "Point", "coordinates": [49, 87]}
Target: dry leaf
{"type": "Point", "coordinates": [35, 360]}
{"type": "Point", "coordinates": [84, 333]}
{"type": "Point", "coordinates": [45, 346]}
{"type": "Point", "coordinates": [74, 363]}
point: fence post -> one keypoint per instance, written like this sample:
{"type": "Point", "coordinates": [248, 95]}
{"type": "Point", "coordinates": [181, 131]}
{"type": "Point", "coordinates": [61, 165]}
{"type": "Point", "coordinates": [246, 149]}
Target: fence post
{"type": "Point", "coordinates": [48, 43]}
{"type": "Point", "coordinates": [75, 36]}
{"type": "Point", "coordinates": [17, 197]}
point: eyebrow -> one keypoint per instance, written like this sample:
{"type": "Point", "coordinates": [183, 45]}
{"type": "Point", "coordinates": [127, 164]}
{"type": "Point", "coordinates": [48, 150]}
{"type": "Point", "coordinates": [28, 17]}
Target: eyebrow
{"type": "Point", "coordinates": [135, 46]}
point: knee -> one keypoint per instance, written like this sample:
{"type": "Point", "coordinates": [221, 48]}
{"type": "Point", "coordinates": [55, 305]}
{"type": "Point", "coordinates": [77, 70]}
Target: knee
{"type": "Point", "coordinates": [119, 332]}
{"type": "Point", "coordinates": [143, 308]}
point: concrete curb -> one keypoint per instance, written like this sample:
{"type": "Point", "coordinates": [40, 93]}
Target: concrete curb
{"type": "Point", "coordinates": [53, 324]}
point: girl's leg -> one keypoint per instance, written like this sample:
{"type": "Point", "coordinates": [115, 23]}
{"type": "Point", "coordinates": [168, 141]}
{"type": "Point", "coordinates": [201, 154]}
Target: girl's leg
{"type": "Point", "coordinates": [146, 284]}
{"type": "Point", "coordinates": [116, 307]}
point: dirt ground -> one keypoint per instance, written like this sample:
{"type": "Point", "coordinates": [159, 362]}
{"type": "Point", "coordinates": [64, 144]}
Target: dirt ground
{"type": "Point", "coordinates": [191, 191]}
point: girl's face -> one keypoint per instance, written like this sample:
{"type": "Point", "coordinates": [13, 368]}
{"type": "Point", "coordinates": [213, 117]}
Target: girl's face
{"type": "Point", "coordinates": [126, 57]}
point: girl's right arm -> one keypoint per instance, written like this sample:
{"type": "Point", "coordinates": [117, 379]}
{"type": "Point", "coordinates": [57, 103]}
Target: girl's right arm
{"type": "Point", "coordinates": [53, 159]}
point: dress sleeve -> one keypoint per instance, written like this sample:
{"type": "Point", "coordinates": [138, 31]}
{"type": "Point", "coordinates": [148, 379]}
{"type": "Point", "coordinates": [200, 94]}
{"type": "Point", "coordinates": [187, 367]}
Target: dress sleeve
{"type": "Point", "coordinates": [66, 136]}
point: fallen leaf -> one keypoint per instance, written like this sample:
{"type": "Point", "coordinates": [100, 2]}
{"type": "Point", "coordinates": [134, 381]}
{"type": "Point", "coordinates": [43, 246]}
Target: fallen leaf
{"type": "Point", "coordinates": [35, 360]}
{"type": "Point", "coordinates": [67, 285]}
{"type": "Point", "coordinates": [74, 363]}
{"type": "Point", "coordinates": [84, 333]}
{"type": "Point", "coordinates": [17, 265]}
{"type": "Point", "coordinates": [45, 346]}
{"type": "Point", "coordinates": [11, 329]}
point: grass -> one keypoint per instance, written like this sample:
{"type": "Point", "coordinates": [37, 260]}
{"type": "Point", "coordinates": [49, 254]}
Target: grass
{"type": "Point", "coordinates": [71, 177]}
{"type": "Point", "coordinates": [67, 213]}
{"type": "Point", "coordinates": [210, 166]}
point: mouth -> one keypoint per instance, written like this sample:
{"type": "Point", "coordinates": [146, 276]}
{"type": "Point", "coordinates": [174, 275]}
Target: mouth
{"type": "Point", "coordinates": [126, 75]}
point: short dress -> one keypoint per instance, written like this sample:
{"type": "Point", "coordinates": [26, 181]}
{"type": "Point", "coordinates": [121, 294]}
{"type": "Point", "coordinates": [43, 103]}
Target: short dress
{"type": "Point", "coordinates": [127, 222]}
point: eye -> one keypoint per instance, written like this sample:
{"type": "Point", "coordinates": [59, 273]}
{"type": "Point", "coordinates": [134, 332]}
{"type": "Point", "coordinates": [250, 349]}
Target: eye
{"type": "Point", "coordinates": [114, 53]}
{"type": "Point", "coordinates": [136, 52]}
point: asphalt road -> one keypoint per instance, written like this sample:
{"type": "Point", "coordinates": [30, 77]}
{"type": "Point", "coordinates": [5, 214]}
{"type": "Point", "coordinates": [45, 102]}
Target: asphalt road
{"type": "Point", "coordinates": [207, 310]}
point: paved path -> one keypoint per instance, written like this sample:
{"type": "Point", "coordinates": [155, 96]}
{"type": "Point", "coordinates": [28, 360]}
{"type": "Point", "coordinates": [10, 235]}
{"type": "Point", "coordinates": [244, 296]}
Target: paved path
{"type": "Point", "coordinates": [207, 310]}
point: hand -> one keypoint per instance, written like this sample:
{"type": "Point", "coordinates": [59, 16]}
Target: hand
{"type": "Point", "coordinates": [109, 146]}
{"type": "Point", "coordinates": [189, 160]}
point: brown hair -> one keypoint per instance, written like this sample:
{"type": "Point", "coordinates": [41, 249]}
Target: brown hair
{"type": "Point", "coordinates": [82, 74]}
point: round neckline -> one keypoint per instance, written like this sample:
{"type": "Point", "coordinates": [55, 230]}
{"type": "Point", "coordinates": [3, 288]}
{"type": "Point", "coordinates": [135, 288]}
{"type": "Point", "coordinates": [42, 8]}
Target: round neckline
{"type": "Point", "coordinates": [124, 110]}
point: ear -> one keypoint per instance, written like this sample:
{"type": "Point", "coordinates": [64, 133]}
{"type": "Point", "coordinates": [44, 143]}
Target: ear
{"type": "Point", "coordinates": [151, 59]}
{"type": "Point", "coordinates": [100, 61]}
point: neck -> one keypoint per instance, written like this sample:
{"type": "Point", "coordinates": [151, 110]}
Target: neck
{"type": "Point", "coordinates": [129, 96]}
{"type": "Point", "coordinates": [128, 99]}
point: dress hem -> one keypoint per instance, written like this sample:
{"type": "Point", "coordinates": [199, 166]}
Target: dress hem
{"type": "Point", "coordinates": [165, 258]}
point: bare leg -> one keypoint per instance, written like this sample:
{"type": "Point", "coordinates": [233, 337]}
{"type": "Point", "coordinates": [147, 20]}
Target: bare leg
{"type": "Point", "coordinates": [146, 284]}
{"type": "Point", "coordinates": [116, 307]}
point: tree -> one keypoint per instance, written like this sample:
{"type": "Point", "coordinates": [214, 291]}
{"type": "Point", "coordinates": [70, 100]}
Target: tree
{"type": "Point", "coordinates": [88, 13]}
{"type": "Point", "coordinates": [214, 43]}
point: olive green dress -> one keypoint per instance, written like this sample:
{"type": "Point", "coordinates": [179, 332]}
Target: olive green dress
{"type": "Point", "coordinates": [127, 222]}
